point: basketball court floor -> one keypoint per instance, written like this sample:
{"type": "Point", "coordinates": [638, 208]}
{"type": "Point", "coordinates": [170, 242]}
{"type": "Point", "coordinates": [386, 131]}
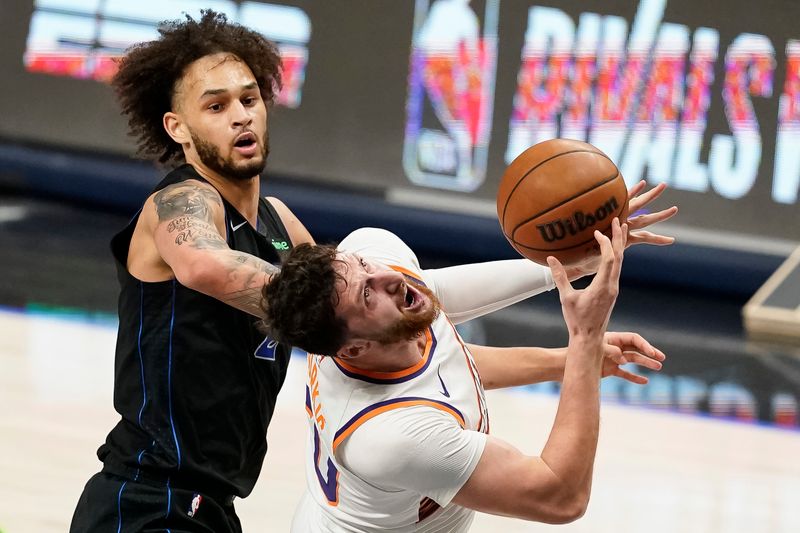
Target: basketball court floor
{"type": "Point", "coordinates": [711, 446]}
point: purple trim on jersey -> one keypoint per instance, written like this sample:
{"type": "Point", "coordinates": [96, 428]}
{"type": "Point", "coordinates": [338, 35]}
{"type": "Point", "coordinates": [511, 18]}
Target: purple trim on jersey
{"type": "Point", "coordinates": [415, 279]}
{"type": "Point", "coordinates": [391, 381]}
{"type": "Point", "coordinates": [384, 403]}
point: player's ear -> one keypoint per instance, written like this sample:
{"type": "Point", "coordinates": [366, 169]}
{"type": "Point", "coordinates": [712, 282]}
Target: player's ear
{"type": "Point", "coordinates": [353, 348]}
{"type": "Point", "coordinates": [176, 128]}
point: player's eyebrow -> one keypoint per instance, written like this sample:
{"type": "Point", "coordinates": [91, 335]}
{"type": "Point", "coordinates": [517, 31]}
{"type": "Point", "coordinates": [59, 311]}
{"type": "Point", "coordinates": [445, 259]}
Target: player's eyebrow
{"type": "Point", "coordinates": [214, 92]}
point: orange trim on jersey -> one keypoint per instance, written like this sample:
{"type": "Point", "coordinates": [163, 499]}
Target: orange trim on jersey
{"type": "Point", "coordinates": [372, 412]}
{"type": "Point", "coordinates": [399, 374]}
{"type": "Point", "coordinates": [407, 272]}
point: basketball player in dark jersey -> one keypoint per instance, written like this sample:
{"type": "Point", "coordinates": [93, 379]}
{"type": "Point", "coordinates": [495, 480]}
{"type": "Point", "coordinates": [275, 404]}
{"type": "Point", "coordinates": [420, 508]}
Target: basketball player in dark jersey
{"type": "Point", "coordinates": [195, 380]}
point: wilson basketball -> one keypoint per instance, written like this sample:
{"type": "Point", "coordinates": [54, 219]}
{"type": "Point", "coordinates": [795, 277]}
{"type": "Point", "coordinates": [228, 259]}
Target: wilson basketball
{"type": "Point", "coordinates": [554, 195]}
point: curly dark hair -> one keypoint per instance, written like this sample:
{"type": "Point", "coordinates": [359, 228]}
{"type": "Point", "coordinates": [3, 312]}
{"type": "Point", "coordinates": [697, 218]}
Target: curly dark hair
{"type": "Point", "coordinates": [299, 302]}
{"type": "Point", "coordinates": [150, 71]}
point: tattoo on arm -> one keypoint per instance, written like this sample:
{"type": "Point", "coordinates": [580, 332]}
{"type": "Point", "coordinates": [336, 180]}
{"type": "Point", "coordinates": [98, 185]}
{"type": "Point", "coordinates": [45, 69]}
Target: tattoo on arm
{"type": "Point", "coordinates": [187, 210]}
{"type": "Point", "coordinates": [196, 233]}
{"type": "Point", "coordinates": [249, 298]}
{"type": "Point", "coordinates": [186, 199]}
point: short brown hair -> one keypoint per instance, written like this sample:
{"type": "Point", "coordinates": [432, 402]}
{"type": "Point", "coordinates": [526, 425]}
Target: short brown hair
{"type": "Point", "coordinates": [300, 301]}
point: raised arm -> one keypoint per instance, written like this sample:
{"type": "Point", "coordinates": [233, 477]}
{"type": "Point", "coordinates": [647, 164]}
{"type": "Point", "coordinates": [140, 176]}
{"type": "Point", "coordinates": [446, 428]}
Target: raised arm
{"type": "Point", "coordinates": [638, 221]}
{"type": "Point", "coordinates": [473, 290]}
{"type": "Point", "coordinates": [188, 233]}
{"type": "Point", "coordinates": [476, 289]}
{"type": "Point", "coordinates": [555, 487]}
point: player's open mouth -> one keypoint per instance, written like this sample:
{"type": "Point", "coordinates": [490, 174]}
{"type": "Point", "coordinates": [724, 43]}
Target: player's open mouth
{"type": "Point", "coordinates": [246, 144]}
{"type": "Point", "coordinates": [413, 299]}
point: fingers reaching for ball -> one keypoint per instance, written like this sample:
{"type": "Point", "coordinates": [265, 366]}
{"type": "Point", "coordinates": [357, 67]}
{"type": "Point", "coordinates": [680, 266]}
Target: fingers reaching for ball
{"type": "Point", "coordinates": [611, 251]}
{"type": "Point", "coordinates": [560, 277]}
{"type": "Point", "coordinates": [588, 310]}
{"type": "Point", "coordinates": [638, 221]}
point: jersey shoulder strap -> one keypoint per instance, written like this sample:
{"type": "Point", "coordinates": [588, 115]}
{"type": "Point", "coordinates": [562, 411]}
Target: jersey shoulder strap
{"type": "Point", "coordinates": [272, 227]}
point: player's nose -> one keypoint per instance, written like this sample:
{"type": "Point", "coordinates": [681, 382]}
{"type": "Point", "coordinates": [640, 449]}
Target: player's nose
{"type": "Point", "coordinates": [240, 114]}
{"type": "Point", "coordinates": [390, 280]}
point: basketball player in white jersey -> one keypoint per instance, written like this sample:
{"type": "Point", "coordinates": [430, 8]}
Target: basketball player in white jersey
{"type": "Point", "coordinates": [399, 428]}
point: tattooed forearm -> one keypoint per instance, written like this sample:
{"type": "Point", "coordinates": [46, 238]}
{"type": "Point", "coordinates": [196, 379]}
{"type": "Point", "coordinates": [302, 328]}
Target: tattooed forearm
{"type": "Point", "coordinates": [185, 199]}
{"type": "Point", "coordinates": [248, 300]}
{"type": "Point", "coordinates": [186, 216]}
{"type": "Point", "coordinates": [252, 274]}
{"type": "Point", "coordinates": [244, 269]}
{"type": "Point", "coordinates": [237, 259]}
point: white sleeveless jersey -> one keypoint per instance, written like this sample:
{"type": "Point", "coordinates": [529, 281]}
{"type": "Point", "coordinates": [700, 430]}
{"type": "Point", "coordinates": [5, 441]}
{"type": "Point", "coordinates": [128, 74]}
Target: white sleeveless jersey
{"type": "Point", "coordinates": [442, 389]}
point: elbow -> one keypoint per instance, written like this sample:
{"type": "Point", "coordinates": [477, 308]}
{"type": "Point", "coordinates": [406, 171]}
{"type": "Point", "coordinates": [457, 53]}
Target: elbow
{"type": "Point", "coordinates": [562, 505]}
{"type": "Point", "coordinates": [198, 276]}
{"type": "Point", "coordinates": [569, 511]}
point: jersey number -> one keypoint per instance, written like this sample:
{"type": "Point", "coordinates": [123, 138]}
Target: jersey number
{"type": "Point", "coordinates": [266, 350]}
{"type": "Point", "coordinates": [329, 483]}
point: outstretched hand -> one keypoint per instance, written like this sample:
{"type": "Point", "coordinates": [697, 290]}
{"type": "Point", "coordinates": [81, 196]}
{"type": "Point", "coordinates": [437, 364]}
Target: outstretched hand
{"type": "Point", "coordinates": [588, 310]}
{"type": "Point", "coordinates": [636, 226]}
{"type": "Point", "coordinates": [624, 348]}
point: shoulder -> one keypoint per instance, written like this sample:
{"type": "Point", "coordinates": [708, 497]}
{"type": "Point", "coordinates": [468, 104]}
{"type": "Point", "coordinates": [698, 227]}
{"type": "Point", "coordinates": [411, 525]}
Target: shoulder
{"type": "Point", "coordinates": [277, 203]}
{"type": "Point", "coordinates": [280, 208]}
{"type": "Point", "coordinates": [382, 245]}
{"type": "Point", "coordinates": [417, 448]}
{"type": "Point", "coordinates": [184, 197]}
{"type": "Point", "coordinates": [188, 185]}
{"type": "Point", "coordinates": [363, 238]}
{"type": "Point", "coordinates": [297, 231]}
{"type": "Point", "coordinates": [390, 442]}
{"type": "Point", "coordinates": [190, 197]}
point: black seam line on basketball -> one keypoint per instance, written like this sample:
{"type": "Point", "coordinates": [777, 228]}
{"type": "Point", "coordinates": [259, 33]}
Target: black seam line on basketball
{"type": "Point", "coordinates": [510, 194]}
{"type": "Point", "coordinates": [537, 215]}
{"type": "Point", "coordinates": [515, 243]}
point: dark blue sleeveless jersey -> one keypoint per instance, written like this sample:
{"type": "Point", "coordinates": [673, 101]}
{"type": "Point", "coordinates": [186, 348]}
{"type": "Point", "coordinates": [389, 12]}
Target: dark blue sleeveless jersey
{"type": "Point", "coordinates": [194, 380]}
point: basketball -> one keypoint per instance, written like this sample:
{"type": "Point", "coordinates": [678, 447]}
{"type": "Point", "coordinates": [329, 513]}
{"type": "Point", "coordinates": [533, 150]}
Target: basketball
{"type": "Point", "coordinates": [554, 195]}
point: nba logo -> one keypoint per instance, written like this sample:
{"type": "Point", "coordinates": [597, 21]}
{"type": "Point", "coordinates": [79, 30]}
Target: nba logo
{"type": "Point", "coordinates": [196, 501]}
{"type": "Point", "coordinates": [450, 93]}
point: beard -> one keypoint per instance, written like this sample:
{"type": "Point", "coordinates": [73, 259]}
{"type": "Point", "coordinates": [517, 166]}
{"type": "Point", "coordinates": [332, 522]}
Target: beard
{"type": "Point", "coordinates": [209, 155]}
{"type": "Point", "coordinates": [411, 325]}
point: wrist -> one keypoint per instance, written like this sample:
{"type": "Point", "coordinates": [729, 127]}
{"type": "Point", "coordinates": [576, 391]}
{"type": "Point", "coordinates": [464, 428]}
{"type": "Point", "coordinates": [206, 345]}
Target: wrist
{"type": "Point", "coordinates": [588, 345]}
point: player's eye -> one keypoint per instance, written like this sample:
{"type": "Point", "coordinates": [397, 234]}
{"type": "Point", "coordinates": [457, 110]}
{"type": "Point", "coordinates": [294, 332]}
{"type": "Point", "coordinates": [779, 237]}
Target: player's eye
{"type": "Point", "coordinates": [366, 286]}
{"type": "Point", "coordinates": [215, 107]}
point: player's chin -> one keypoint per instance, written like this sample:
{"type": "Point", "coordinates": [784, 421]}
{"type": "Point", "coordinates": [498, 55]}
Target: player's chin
{"type": "Point", "coordinates": [428, 310]}
{"type": "Point", "coordinates": [251, 165]}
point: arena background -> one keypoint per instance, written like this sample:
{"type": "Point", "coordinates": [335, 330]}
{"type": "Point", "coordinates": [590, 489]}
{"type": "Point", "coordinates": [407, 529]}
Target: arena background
{"type": "Point", "coordinates": [403, 114]}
